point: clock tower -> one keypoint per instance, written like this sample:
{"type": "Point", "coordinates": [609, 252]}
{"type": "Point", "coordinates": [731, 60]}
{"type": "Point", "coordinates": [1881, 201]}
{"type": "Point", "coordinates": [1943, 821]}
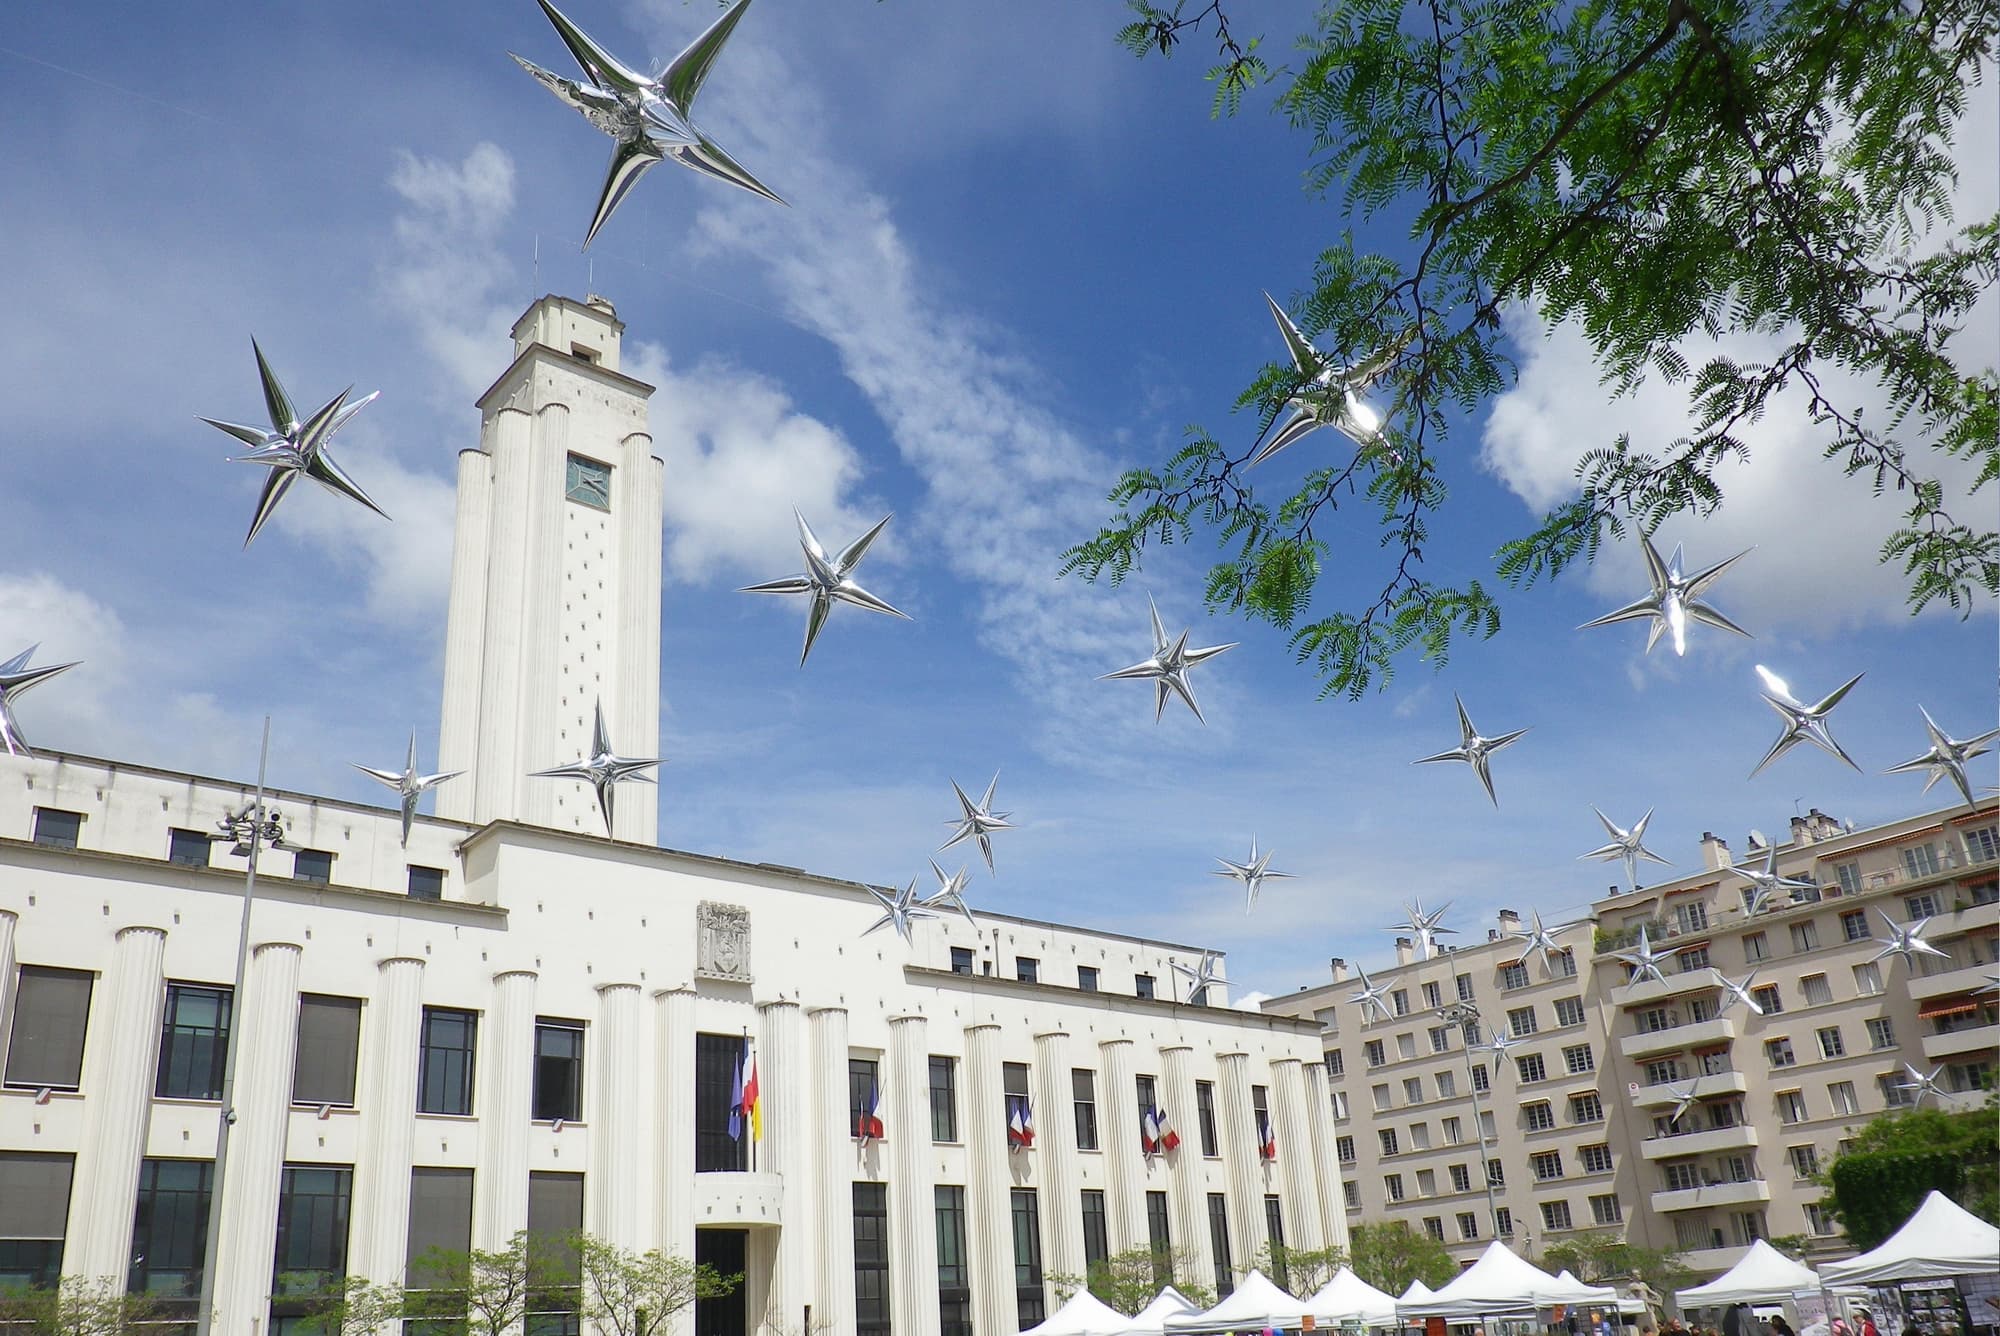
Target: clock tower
{"type": "Point", "coordinates": [555, 580]}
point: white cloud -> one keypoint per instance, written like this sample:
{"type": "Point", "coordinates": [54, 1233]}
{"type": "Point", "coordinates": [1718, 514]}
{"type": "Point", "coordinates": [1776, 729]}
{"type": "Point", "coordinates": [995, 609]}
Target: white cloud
{"type": "Point", "coordinates": [1253, 1001]}
{"type": "Point", "coordinates": [405, 560]}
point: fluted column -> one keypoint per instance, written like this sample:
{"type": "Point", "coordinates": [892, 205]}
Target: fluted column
{"type": "Point", "coordinates": [673, 1143]}
{"type": "Point", "coordinates": [248, 1201]}
{"type": "Point", "coordinates": [1319, 1126]}
{"type": "Point", "coordinates": [913, 1259]}
{"type": "Point", "coordinates": [638, 628]}
{"type": "Point", "coordinates": [1185, 1188]}
{"type": "Point", "coordinates": [496, 774]}
{"type": "Point", "coordinates": [988, 1202]}
{"type": "Point", "coordinates": [1298, 1168]}
{"type": "Point", "coordinates": [1055, 1148]}
{"type": "Point", "coordinates": [619, 1114]}
{"type": "Point", "coordinates": [541, 720]}
{"type": "Point", "coordinates": [465, 627]}
{"type": "Point", "coordinates": [118, 1063]}
{"type": "Point", "coordinates": [784, 1084]}
{"type": "Point", "coordinates": [386, 1103]}
{"type": "Point", "coordinates": [7, 922]}
{"type": "Point", "coordinates": [834, 1230]}
{"type": "Point", "coordinates": [1124, 1161]}
{"type": "Point", "coordinates": [506, 1076]}
{"type": "Point", "coordinates": [1237, 1128]}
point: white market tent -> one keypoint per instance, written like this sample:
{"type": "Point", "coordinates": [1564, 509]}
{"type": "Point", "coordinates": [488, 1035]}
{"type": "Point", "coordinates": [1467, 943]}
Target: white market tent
{"type": "Point", "coordinates": [1418, 1290]}
{"type": "Point", "coordinates": [1626, 1303]}
{"type": "Point", "coordinates": [1255, 1304]}
{"type": "Point", "coordinates": [1347, 1297]}
{"type": "Point", "coordinates": [1152, 1319]}
{"type": "Point", "coordinates": [1498, 1283]}
{"type": "Point", "coordinates": [1764, 1276]}
{"type": "Point", "coordinates": [1084, 1315]}
{"type": "Point", "coordinates": [1941, 1240]}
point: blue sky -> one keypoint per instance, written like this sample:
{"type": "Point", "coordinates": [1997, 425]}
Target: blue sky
{"type": "Point", "coordinates": [1016, 260]}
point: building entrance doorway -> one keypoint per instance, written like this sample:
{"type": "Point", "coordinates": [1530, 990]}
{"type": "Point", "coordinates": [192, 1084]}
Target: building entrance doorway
{"type": "Point", "coordinates": [722, 1249]}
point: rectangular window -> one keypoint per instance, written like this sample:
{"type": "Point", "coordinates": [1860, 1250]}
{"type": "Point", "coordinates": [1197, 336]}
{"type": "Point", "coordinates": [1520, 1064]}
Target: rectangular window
{"type": "Point", "coordinates": [313, 1204]}
{"type": "Point", "coordinates": [1027, 969]}
{"type": "Point", "coordinates": [1148, 1089]}
{"type": "Point", "coordinates": [944, 1098]}
{"type": "Point", "coordinates": [426, 883]}
{"type": "Point", "coordinates": [716, 1058]}
{"type": "Point", "coordinates": [440, 1218]}
{"type": "Point", "coordinates": [1335, 1064]}
{"type": "Point", "coordinates": [1868, 979]}
{"type": "Point", "coordinates": [1819, 1220]}
{"type": "Point", "coordinates": [871, 1259]}
{"type": "Point", "coordinates": [1692, 960]}
{"type": "Point", "coordinates": [1841, 1095]}
{"type": "Point", "coordinates": [1142, 985]}
{"type": "Point", "coordinates": [1464, 984]}
{"type": "Point", "coordinates": [1848, 875]}
{"type": "Point", "coordinates": [1447, 1084]}
{"type": "Point", "coordinates": [1894, 1096]}
{"type": "Point", "coordinates": [169, 1231]}
{"type": "Point", "coordinates": [1449, 1128]}
{"type": "Point", "coordinates": [1538, 1115]}
{"type": "Point", "coordinates": [1399, 1001]}
{"type": "Point", "coordinates": [1577, 1059]}
{"type": "Point", "coordinates": [1096, 1234]}
{"type": "Point", "coordinates": [1791, 1106]}
{"type": "Point", "coordinates": [1514, 976]}
{"type": "Point", "coordinates": [189, 848]}
{"type": "Point", "coordinates": [34, 1212]}
{"type": "Point", "coordinates": [1387, 1135]}
{"type": "Point", "coordinates": [1440, 1039]}
{"type": "Point", "coordinates": [1218, 1244]}
{"type": "Point", "coordinates": [1779, 1052]}
{"type": "Point", "coordinates": [1769, 998]}
{"type": "Point", "coordinates": [1013, 1088]}
{"type": "Point", "coordinates": [1756, 947]}
{"type": "Point", "coordinates": [1406, 1047]}
{"type": "Point", "coordinates": [1413, 1090]}
{"type": "Point", "coordinates": [57, 829]}
{"type": "Point", "coordinates": [1392, 1184]}
{"type": "Point", "coordinates": [1375, 1053]}
{"type": "Point", "coordinates": [961, 960]}
{"type": "Point", "coordinates": [1982, 844]}
{"type": "Point", "coordinates": [1586, 1108]}
{"type": "Point", "coordinates": [1160, 1237]}
{"type": "Point", "coordinates": [51, 1013]}
{"type": "Point", "coordinates": [1830, 1043]}
{"type": "Point", "coordinates": [1605, 1210]}
{"type": "Point", "coordinates": [314, 865]}
{"type": "Point", "coordinates": [1595, 1159]}
{"type": "Point", "coordinates": [1680, 1176]}
{"type": "Point", "coordinates": [1503, 1222]}
{"type": "Point", "coordinates": [1350, 1192]}
{"type": "Point", "coordinates": [1343, 1148]}
{"type": "Point", "coordinates": [1083, 1094]}
{"type": "Point", "coordinates": [954, 1277]}
{"type": "Point", "coordinates": [1433, 998]}
{"type": "Point", "coordinates": [1691, 916]}
{"type": "Point", "coordinates": [1480, 1080]}
{"type": "Point", "coordinates": [558, 1070]}
{"type": "Point", "coordinates": [1521, 1020]}
{"type": "Point", "coordinates": [1274, 1230]}
{"type": "Point", "coordinates": [1420, 1136]}
{"type": "Point", "coordinates": [1547, 1164]}
{"type": "Point", "coordinates": [194, 1035]}
{"type": "Point", "coordinates": [444, 1068]}
{"type": "Point", "coordinates": [1881, 1033]}
{"type": "Point", "coordinates": [1468, 1226]}
{"type": "Point", "coordinates": [1204, 1107]}
{"type": "Point", "coordinates": [1815, 990]}
{"type": "Point", "coordinates": [1086, 978]}
{"type": "Point", "coordinates": [329, 1042]}
{"type": "Point", "coordinates": [1461, 1178]}
{"type": "Point", "coordinates": [1920, 861]}
{"type": "Point", "coordinates": [864, 1087]}
{"type": "Point", "coordinates": [1854, 925]}
{"type": "Point", "coordinates": [1530, 1068]}
{"type": "Point", "coordinates": [1566, 963]}
{"type": "Point", "coordinates": [1030, 1299]}
{"type": "Point", "coordinates": [1555, 1216]}
{"type": "Point", "coordinates": [1805, 936]}
{"type": "Point", "coordinates": [1569, 1011]}
{"type": "Point", "coordinates": [1805, 1160]}
{"type": "Point", "coordinates": [1655, 1019]}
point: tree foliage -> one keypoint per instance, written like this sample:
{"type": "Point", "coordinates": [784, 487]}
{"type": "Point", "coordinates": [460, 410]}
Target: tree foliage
{"type": "Point", "coordinates": [1894, 1160]}
{"type": "Point", "coordinates": [1603, 1257]}
{"type": "Point", "coordinates": [1128, 1281]}
{"type": "Point", "coordinates": [77, 1306]}
{"type": "Point", "coordinates": [343, 1306]}
{"type": "Point", "coordinates": [489, 1292]}
{"type": "Point", "coordinates": [1650, 171]}
{"type": "Point", "coordinates": [1388, 1254]}
{"type": "Point", "coordinates": [637, 1294]}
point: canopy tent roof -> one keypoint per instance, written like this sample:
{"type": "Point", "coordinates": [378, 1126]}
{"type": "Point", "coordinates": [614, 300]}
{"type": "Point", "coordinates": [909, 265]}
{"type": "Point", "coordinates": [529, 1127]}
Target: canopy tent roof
{"type": "Point", "coordinates": [1347, 1296]}
{"type": "Point", "coordinates": [1942, 1239]}
{"type": "Point", "coordinates": [1765, 1275]}
{"type": "Point", "coordinates": [1255, 1303]}
{"type": "Point", "coordinates": [1084, 1315]}
{"type": "Point", "coordinates": [1500, 1282]}
{"type": "Point", "coordinates": [1418, 1290]}
{"type": "Point", "coordinates": [1627, 1303]}
{"type": "Point", "coordinates": [1151, 1320]}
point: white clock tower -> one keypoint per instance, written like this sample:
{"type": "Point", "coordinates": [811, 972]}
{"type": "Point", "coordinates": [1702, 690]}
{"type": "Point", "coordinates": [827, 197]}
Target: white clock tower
{"type": "Point", "coordinates": [555, 580]}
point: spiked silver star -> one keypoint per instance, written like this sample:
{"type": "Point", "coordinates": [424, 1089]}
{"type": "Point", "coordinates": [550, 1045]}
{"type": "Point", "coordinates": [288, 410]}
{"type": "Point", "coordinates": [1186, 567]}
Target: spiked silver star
{"type": "Point", "coordinates": [1767, 885]}
{"type": "Point", "coordinates": [1168, 668]}
{"type": "Point", "coordinates": [1498, 1046]}
{"type": "Point", "coordinates": [1201, 976]}
{"type": "Point", "coordinates": [979, 821]}
{"type": "Point", "coordinates": [16, 679]}
{"type": "Point", "coordinates": [603, 769]}
{"type": "Point", "coordinates": [1643, 959]}
{"type": "Point", "coordinates": [899, 911]}
{"type": "Point", "coordinates": [1803, 723]}
{"type": "Point", "coordinates": [292, 449]}
{"type": "Point", "coordinates": [1992, 984]}
{"type": "Point", "coordinates": [1734, 993]}
{"type": "Point", "coordinates": [1371, 995]}
{"type": "Point", "coordinates": [1332, 396]}
{"type": "Point", "coordinates": [1906, 941]}
{"type": "Point", "coordinates": [1686, 1096]}
{"type": "Point", "coordinates": [828, 580]}
{"type": "Point", "coordinates": [1252, 874]}
{"type": "Point", "coordinates": [1424, 929]}
{"type": "Point", "coordinates": [1626, 845]}
{"type": "Point", "coordinates": [950, 894]}
{"type": "Point", "coordinates": [1946, 758]}
{"type": "Point", "coordinates": [1537, 941]}
{"type": "Point", "coordinates": [1675, 599]}
{"type": "Point", "coordinates": [410, 786]}
{"type": "Point", "coordinates": [1473, 749]}
{"type": "Point", "coordinates": [1920, 1085]}
{"type": "Point", "coordinates": [647, 118]}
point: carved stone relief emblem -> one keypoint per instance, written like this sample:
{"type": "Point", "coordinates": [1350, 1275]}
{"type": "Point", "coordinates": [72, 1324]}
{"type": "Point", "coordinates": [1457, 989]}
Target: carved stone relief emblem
{"type": "Point", "coordinates": [722, 941]}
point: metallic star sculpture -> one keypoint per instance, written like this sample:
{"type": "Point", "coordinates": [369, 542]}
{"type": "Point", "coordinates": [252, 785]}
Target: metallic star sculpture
{"type": "Point", "coordinates": [603, 769]}
{"type": "Point", "coordinates": [647, 118]}
{"type": "Point", "coordinates": [1332, 396]}
{"type": "Point", "coordinates": [979, 821]}
{"type": "Point", "coordinates": [1168, 668]}
{"type": "Point", "coordinates": [1626, 845]}
{"type": "Point", "coordinates": [1201, 976]}
{"type": "Point", "coordinates": [1907, 942]}
{"type": "Point", "coordinates": [1252, 874]}
{"type": "Point", "coordinates": [1946, 758]}
{"type": "Point", "coordinates": [1734, 993]}
{"type": "Point", "coordinates": [828, 580]}
{"type": "Point", "coordinates": [950, 894]}
{"type": "Point", "coordinates": [410, 786]}
{"type": "Point", "coordinates": [16, 679]}
{"type": "Point", "coordinates": [1371, 995]}
{"type": "Point", "coordinates": [1920, 1085]}
{"type": "Point", "coordinates": [1424, 929]}
{"type": "Point", "coordinates": [1767, 885]}
{"type": "Point", "coordinates": [1675, 599]}
{"type": "Point", "coordinates": [1803, 723]}
{"type": "Point", "coordinates": [899, 911]}
{"type": "Point", "coordinates": [1643, 959]}
{"type": "Point", "coordinates": [1685, 1098]}
{"type": "Point", "coordinates": [1473, 749]}
{"type": "Point", "coordinates": [292, 449]}
{"type": "Point", "coordinates": [1498, 1046]}
{"type": "Point", "coordinates": [1538, 941]}
{"type": "Point", "coordinates": [1992, 984]}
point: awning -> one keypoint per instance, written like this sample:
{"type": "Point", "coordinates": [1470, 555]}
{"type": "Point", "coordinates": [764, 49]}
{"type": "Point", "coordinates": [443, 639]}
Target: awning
{"type": "Point", "coordinates": [1951, 1006]}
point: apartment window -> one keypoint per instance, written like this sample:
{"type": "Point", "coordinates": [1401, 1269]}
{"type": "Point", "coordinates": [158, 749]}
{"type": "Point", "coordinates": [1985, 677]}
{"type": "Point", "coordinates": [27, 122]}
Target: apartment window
{"type": "Point", "coordinates": [717, 1058]}
{"type": "Point", "coordinates": [1805, 936]}
{"type": "Point", "coordinates": [189, 848]}
{"type": "Point", "coordinates": [1514, 975]}
{"type": "Point", "coordinates": [1027, 969]}
{"type": "Point", "coordinates": [1160, 1237]}
{"type": "Point", "coordinates": [1480, 1079]}
{"type": "Point", "coordinates": [1768, 997]}
{"type": "Point", "coordinates": [558, 1070]}
{"type": "Point", "coordinates": [1555, 1216]}
{"type": "Point", "coordinates": [1375, 1053]}
{"type": "Point", "coordinates": [1547, 1165]}
{"type": "Point", "coordinates": [1894, 1096]}
{"type": "Point", "coordinates": [954, 1277]}
{"type": "Point", "coordinates": [1819, 1221]}
{"type": "Point", "coordinates": [1530, 1068]}
{"type": "Point", "coordinates": [1830, 1043]}
{"type": "Point", "coordinates": [1521, 1020]}
{"type": "Point", "coordinates": [1970, 1076]}
{"type": "Point", "coordinates": [1854, 925]}
{"type": "Point", "coordinates": [1577, 1059]}
{"type": "Point", "coordinates": [1867, 979]}
{"type": "Point", "coordinates": [1450, 1130]}
{"type": "Point", "coordinates": [1413, 1090]}
{"type": "Point", "coordinates": [194, 1034]}
{"type": "Point", "coordinates": [1468, 1226]}
{"type": "Point", "coordinates": [1805, 1160]}
{"type": "Point", "coordinates": [1791, 1106]}
{"type": "Point", "coordinates": [1881, 1032]}
{"type": "Point", "coordinates": [1690, 961]}
{"type": "Point", "coordinates": [1461, 1177]}
{"type": "Point", "coordinates": [1083, 1093]}
{"type": "Point", "coordinates": [961, 960]}
{"type": "Point", "coordinates": [1538, 1115]}
{"type": "Point", "coordinates": [1779, 1052]}
{"type": "Point", "coordinates": [1434, 1226]}
{"type": "Point", "coordinates": [426, 883]}
{"type": "Point", "coordinates": [1470, 1031]}
{"type": "Point", "coordinates": [1595, 1159]}
{"type": "Point", "coordinates": [944, 1098]}
{"type": "Point", "coordinates": [1605, 1210]}
{"type": "Point", "coordinates": [1691, 916]}
{"type": "Point", "coordinates": [1204, 1108]}
{"type": "Point", "coordinates": [1503, 1222]}
{"type": "Point", "coordinates": [1982, 844]}
{"type": "Point", "coordinates": [1335, 1064]}
{"type": "Point", "coordinates": [1344, 1148]}
{"type": "Point", "coordinates": [1749, 1227]}
{"type": "Point", "coordinates": [1218, 1244]}
{"type": "Point", "coordinates": [1274, 1229]}
{"type": "Point", "coordinates": [1848, 875]}
{"type": "Point", "coordinates": [314, 865]}
{"type": "Point", "coordinates": [1815, 989]}
{"type": "Point", "coordinates": [444, 1067]}
{"type": "Point", "coordinates": [1440, 1039]}
{"type": "Point", "coordinates": [1662, 1070]}
{"type": "Point", "coordinates": [1447, 1084]}
{"type": "Point", "coordinates": [440, 1218]}
{"type": "Point", "coordinates": [1756, 947]}
{"type": "Point", "coordinates": [1464, 985]}
{"type": "Point", "coordinates": [169, 1231]}
{"type": "Point", "coordinates": [1142, 984]}
{"type": "Point", "coordinates": [1680, 1175]}
{"type": "Point", "coordinates": [51, 1013]}
{"type": "Point", "coordinates": [1014, 1086]}
{"type": "Point", "coordinates": [57, 829]}
{"type": "Point", "coordinates": [1920, 860]}
{"type": "Point", "coordinates": [313, 1204]}
{"type": "Point", "coordinates": [1485, 1126]}
{"type": "Point", "coordinates": [1399, 1001]}
{"type": "Point", "coordinates": [1700, 1009]}
{"type": "Point", "coordinates": [1147, 1088]}
{"type": "Point", "coordinates": [1586, 1108]}
{"type": "Point", "coordinates": [1030, 1302]}
{"type": "Point", "coordinates": [1392, 1184]}
{"type": "Point", "coordinates": [1086, 978]}
{"type": "Point", "coordinates": [1840, 1094]}
{"type": "Point", "coordinates": [871, 1259]}
{"type": "Point", "coordinates": [1406, 1047]}
{"type": "Point", "coordinates": [1420, 1136]}
{"type": "Point", "coordinates": [864, 1085]}
{"type": "Point", "coordinates": [1350, 1191]}
{"type": "Point", "coordinates": [34, 1212]}
{"type": "Point", "coordinates": [1569, 1011]}
{"type": "Point", "coordinates": [1433, 997]}
{"type": "Point", "coordinates": [1566, 963]}
{"type": "Point", "coordinates": [328, 1043]}
{"type": "Point", "coordinates": [1387, 1136]}
{"type": "Point", "coordinates": [1096, 1234]}
{"type": "Point", "coordinates": [1655, 1019]}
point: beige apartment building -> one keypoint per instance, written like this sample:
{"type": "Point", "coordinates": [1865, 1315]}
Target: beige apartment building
{"type": "Point", "coordinates": [1573, 1127]}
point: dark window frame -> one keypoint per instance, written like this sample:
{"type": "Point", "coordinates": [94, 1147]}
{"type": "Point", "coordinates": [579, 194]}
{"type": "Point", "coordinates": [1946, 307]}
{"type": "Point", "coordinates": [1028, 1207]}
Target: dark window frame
{"type": "Point", "coordinates": [864, 1078]}
{"type": "Point", "coordinates": [1204, 1107]}
{"type": "Point", "coordinates": [1218, 1244]}
{"type": "Point", "coordinates": [64, 831]}
{"type": "Point", "coordinates": [944, 1099]}
{"type": "Point", "coordinates": [313, 865]}
{"type": "Point", "coordinates": [446, 1071]}
{"type": "Point", "coordinates": [321, 1043]}
{"type": "Point", "coordinates": [192, 1054]}
{"type": "Point", "coordinates": [1031, 1299]}
{"type": "Point", "coordinates": [1083, 1102]}
{"type": "Point", "coordinates": [426, 883]}
{"type": "Point", "coordinates": [871, 1258]}
{"type": "Point", "coordinates": [1096, 1228]}
{"type": "Point", "coordinates": [716, 1057]}
{"type": "Point", "coordinates": [170, 1233]}
{"type": "Point", "coordinates": [558, 1084]}
{"type": "Point", "coordinates": [954, 1271]}
{"type": "Point", "coordinates": [53, 1058]}
{"type": "Point", "coordinates": [181, 846]}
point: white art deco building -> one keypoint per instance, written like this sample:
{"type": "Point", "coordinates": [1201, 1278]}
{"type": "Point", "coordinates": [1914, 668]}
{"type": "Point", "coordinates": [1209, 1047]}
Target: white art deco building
{"type": "Point", "coordinates": [515, 1023]}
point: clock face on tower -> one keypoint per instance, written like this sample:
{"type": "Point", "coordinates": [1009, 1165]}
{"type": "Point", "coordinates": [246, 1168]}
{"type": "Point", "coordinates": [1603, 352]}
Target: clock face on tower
{"type": "Point", "coordinates": [588, 482]}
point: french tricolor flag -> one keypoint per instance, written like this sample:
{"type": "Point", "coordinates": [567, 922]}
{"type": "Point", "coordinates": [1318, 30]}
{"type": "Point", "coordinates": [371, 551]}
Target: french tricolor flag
{"type": "Point", "coordinates": [1267, 1138]}
{"type": "Point", "coordinates": [868, 1124]}
{"type": "Point", "coordinates": [1158, 1134]}
{"type": "Point", "coordinates": [1020, 1124]}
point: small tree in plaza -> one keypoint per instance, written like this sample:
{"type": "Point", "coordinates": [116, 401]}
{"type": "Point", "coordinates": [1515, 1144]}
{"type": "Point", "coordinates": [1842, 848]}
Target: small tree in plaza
{"type": "Point", "coordinates": [479, 1292]}
{"type": "Point", "coordinates": [1603, 1257]}
{"type": "Point", "coordinates": [1388, 1254]}
{"type": "Point", "coordinates": [76, 1306]}
{"type": "Point", "coordinates": [1300, 1270]}
{"type": "Point", "coordinates": [1128, 1281]}
{"type": "Point", "coordinates": [625, 1293]}
{"type": "Point", "coordinates": [349, 1306]}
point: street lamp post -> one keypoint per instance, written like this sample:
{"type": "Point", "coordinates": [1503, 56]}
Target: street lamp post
{"type": "Point", "coordinates": [1460, 1014]}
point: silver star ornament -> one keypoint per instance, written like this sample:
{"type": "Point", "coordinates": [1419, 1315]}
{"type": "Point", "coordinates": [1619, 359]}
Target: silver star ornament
{"type": "Point", "coordinates": [1200, 977]}
{"type": "Point", "coordinates": [950, 894]}
{"type": "Point", "coordinates": [17, 679]}
{"type": "Point", "coordinates": [1424, 929]}
{"type": "Point", "coordinates": [1767, 885]}
{"type": "Point", "coordinates": [1537, 941]}
{"type": "Point", "coordinates": [648, 119]}
{"type": "Point", "coordinates": [899, 911]}
{"type": "Point", "coordinates": [1675, 599]}
{"type": "Point", "coordinates": [603, 769]}
{"type": "Point", "coordinates": [410, 786]}
{"type": "Point", "coordinates": [1906, 941]}
{"type": "Point", "coordinates": [978, 821]}
{"type": "Point", "coordinates": [1946, 758]}
{"type": "Point", "coordinates": [1920, 1085]}
{"type": "Point", "coordinates": [1643, 959]}
{"type": "Point", "coordinates": [292, 449]}
{"type": "Point", "coordinates": [1626, 845]}
{"type": "Point", "coordinates": [1331, 396]}
{"type": "Point", "coordinates": [1169, 667]}
{"type": "Point", "coordinates": [1252, 874]}
{"type": "Point", "coordinates": [1685, 1098]}
{"type": "Point", "coordinates": [1474, 750]}
{"type": "Point", "coordinates": [1803, 723]}
{"type": "Point", "coordinates": [1733, 993]}
{"type": "Point", "coordinates": [1371, 995]}
{"type": "Point", "coordinates": [828, 580]}
{"type": "Point", "coordinates": [1497, 1047]}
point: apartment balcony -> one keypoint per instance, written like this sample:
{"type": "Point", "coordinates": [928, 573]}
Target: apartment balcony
{"type": "Point", "coordinates": [1675, 985]}
{"type": "Point", "coordinates": [1749, 1192]}
{"type": "Point", "coordinates": [1711, 1086]}
{"type": "Point", "coordinates": [1740, 1137]}
{"type": "Point", "coordinates": [1717, 1260]}
{"type": "Point", "coordinates": [1980, 1039]}
{"type": "Point", "coordinates": [1973, 918]}
{"type": "Point", "coordinates": [738, 1199]}
{"type": "Point", "coordinates": [1948, 980]}
{"type": "Point", "coordinates": [1696, 1034]}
